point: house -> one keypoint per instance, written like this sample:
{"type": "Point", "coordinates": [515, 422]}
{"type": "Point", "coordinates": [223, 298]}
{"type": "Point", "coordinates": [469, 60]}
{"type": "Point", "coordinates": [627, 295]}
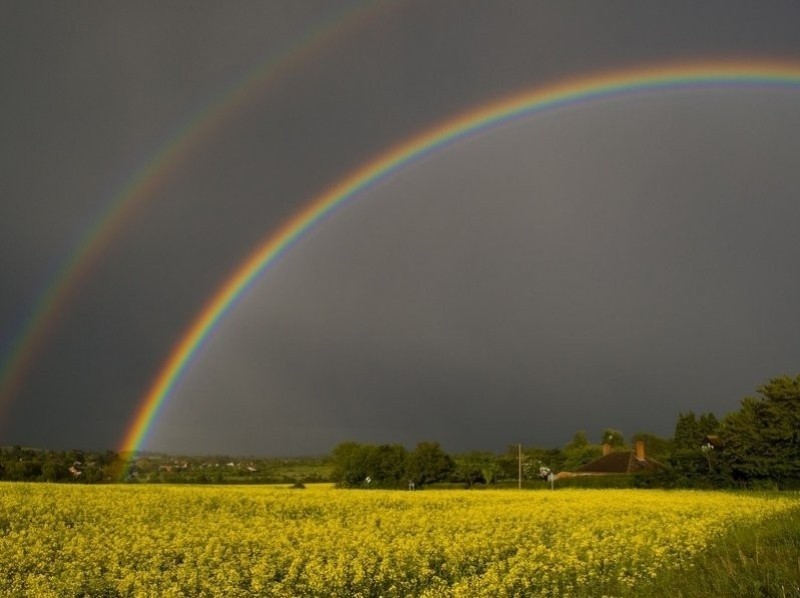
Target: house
{"type": "Point", "coordinates": [616, 462]}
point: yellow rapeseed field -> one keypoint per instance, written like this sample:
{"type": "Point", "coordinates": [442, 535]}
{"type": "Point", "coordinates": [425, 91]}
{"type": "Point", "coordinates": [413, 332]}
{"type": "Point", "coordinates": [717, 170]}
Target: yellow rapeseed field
{"type": "Point", "coordinates": [129, 540]}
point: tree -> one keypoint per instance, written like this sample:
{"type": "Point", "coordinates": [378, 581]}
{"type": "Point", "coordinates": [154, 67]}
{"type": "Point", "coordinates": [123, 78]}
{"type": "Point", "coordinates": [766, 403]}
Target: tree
{"type": "Point", "coordinates": [687, 432]}
{"type": "Point", "coordinates": [350, 464]}
{"type": "Point", "coordinates": [552, 458]}
{"type": "Point", "coordinates": [476, 466]}
{"type": "Point", "coordinates": [688, 459]}
{"type": "Point", "coordinates": [384, 465]}
{"type": "Point", "coordinates": [579, 451]}
{"type": "Point", "coordinates": [387, 466]}
{"type": "Point", "coordinates": [613, 438]}
{"type": "Point", "coordinates": [708, 425]}
{"type": "Point", "coordinates": [115, 467]}
{"type": "Point", "coordinates": [53, 471]}
{"type": "Point", "coordinates": [579, 440]}
{"type": "Point", "coordinates": [508, 463]}
{"type": "Point", "coordinates": [23, 470]}
{"type": "Point", "coordinates": [762, 439]}
{"type": "Point", "coordinates": [428, 463]}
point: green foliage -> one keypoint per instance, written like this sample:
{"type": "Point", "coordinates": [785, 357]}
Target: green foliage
{"type": "Point", "coordinates": [579, 440]}
{"type": "Point", "coordinates": [476, 467]}
{"type": "Point", "coordinates": [613, 438]}
{"type": "Point", "coordinates": [747, 561]}
{"type": "Point", "coordinates": [387, 466]}
{"type": "Point", "coordinates": [690, 431]}
{"type": "Point", "coordinates": [708, 424]}
{"type": "Point", "coordinates": [533, 459]}
{"type": "Point", "coordinates": [364, 465]}
{"type": "Point", "coordinates": [579, 452]}
{"type": "Point", "coordinates": [508, 464]}
{"type": "Point", "coordinates": [552, 459]}
{"type": "Point", "coordinates": [697, 465]}
{"type": "Point", "coordinates": [26, 470]}
{"type": "Point", "coordinates": [350, 464]}
{"type": "Point", "coordinates": [53, 471]}
{"type": "Point", "coordinates": [85, 467]}
{"type": "Point", "coordinates": [428, 464]}
{"type": "Point", "coordinates": [762, 439]}
{"type": "Point", "coordinates": [687, 432]}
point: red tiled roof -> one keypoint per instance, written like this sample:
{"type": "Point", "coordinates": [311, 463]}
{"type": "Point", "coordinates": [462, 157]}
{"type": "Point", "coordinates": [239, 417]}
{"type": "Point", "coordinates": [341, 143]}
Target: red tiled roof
{"type": "Point", "coordinates": [619, 462]}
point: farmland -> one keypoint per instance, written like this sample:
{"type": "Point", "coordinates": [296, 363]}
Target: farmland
{"type": "Point", "coordinates": [129, 540]}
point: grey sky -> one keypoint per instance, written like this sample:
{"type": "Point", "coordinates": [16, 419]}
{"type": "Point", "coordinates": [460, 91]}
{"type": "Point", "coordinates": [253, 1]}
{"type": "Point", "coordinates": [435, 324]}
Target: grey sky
{"type": "Point", "coordinates": [603, 266]}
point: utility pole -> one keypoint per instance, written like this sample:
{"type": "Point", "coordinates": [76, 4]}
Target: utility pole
{"type": "Point", "coordinates": [519, 460]}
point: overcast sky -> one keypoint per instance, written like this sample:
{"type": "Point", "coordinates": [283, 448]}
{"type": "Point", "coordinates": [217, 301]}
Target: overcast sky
{"type": "Point", "coordinates": [607, 265]}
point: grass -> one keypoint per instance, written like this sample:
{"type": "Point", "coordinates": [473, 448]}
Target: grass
{"type": "Point", "coordinates": [759, 560]}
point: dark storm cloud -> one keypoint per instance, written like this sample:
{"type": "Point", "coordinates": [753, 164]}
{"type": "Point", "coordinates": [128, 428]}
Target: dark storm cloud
{"type": "Point", "coordinates": [449, 306]}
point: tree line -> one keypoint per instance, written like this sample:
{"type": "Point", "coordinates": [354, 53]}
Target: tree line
{"type": "Point", "coordinates": [91, 467]}
{"type": "Point", "coordinates": [755, 446]}
{"type": "Point", "coordinates": [20, 464]}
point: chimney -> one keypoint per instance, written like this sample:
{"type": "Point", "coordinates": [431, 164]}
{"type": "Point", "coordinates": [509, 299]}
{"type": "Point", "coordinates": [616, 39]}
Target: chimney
{"type": "Point", "coordinates": [640, 450]}
{"type": "Point", "coordinates": [606, 448]}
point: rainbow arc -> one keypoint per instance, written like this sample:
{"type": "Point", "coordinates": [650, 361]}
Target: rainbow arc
{"type": "Point", "coordinates": [597, 87]}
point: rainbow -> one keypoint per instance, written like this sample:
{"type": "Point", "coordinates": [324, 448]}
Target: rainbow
{"type": "Point", "coordinates": [581, 90]}
{"type": "Point", "coordinates": [133, 195]}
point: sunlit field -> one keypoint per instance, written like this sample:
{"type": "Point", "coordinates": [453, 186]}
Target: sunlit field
{"type": "Point", "coordinates": [60, 540]}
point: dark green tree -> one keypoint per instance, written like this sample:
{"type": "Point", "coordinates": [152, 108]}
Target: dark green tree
{"type": "Point", "coordinates": [24, 470]}
{"type": "Point", "coordinates": [687, 432]}
{"type": "Point", "coordinates": [428, 464]}
{"type": "Point", "coordinates": [476, 466]}
{"type": "Point", "coordinates": [762, 439]}
{"type": "Point", "coordinates": [613, 438]}
{"type": "Point", "coordinates": [708, 425]}
{"type": "Point", "coordinates": [579, 451]}
{"type": "Point", "coordinates": [350, 464]}
{"type": "Point", "coordinates": [508, 464]}
{"type": "Point", "coordinates": [54, 471]}
{"type": "Point", "coordinates": [365, 465]}
{"type": "Point", "coordinates": [690, 461]}
{"type": "Point", "coordinates": [387, 466]}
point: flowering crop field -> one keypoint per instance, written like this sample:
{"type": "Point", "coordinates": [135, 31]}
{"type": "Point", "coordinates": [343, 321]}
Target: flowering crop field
{"type": "Point", "coordinates": [149, 540]}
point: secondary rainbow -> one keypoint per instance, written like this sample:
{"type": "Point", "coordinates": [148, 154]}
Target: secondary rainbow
{"type": "Point", "coordinates": [592, 88]}
{"type": "Point", "coordinates": [134, 193]}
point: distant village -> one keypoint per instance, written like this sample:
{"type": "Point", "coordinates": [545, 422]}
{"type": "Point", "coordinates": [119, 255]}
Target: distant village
{"type": "Point", "coordinates": [76, 466]}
